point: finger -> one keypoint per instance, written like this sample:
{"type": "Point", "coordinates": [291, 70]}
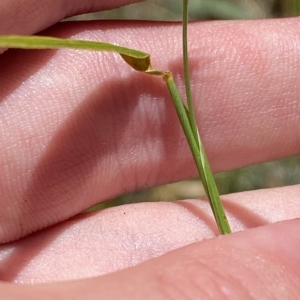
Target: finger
{"type": "Point", "coordinates": [80, 127]}
{"type": "Point", "coordinates": [28, 17]}
{"type": "Point", "coordinates": [259, 264]}
{"type": "Point", "coordinates": [110, 240]}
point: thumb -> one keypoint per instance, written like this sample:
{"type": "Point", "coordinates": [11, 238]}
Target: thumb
{"type": "Point", "coordinates": [260, 263]}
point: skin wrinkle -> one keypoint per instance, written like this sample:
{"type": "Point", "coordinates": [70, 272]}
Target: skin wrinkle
{"type": "Point", "coordinates": [214, 264]}
{"type": "Point", "coordinates": [28, 11]}
{"type": "Point", "coordinates": [221, 285]}
{"type": "Point", "coordinates": [235, 270]}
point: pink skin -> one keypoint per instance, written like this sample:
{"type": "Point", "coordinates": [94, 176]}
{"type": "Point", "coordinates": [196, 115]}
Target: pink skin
{"type": "Point", "coordinates": [81, 127]}
{"type": "Point", "coordinates": [28, 17]}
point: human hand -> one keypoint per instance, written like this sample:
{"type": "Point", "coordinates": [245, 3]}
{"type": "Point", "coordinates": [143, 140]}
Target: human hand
{"type": "Point", "coordinates": [81, 127]}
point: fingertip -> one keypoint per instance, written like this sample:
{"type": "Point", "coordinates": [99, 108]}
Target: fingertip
{"type": "Point", "coordinates": [261, 263]}
{"type": "Point", "coordinates": [255, 264]}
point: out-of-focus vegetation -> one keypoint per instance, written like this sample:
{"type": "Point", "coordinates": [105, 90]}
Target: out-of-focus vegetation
{"type": "Point", "coordinates": [170, 10]}
{"type": "Point", "coordinates": [267, 175]}
{"type": "Point", "coordinates": [271, 174]}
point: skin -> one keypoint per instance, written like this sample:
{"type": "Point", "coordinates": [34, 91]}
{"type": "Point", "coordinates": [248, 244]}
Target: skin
{"type": "Point", "coordinates": [77, 128]}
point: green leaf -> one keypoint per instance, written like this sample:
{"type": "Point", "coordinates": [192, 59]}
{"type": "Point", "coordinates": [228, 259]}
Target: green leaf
{"type": "Point", "coordinates": [138, 60]}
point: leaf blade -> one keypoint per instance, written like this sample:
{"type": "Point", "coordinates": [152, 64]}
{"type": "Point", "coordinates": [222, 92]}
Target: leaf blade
{"type": "Point", "coordinates": [138, 60]}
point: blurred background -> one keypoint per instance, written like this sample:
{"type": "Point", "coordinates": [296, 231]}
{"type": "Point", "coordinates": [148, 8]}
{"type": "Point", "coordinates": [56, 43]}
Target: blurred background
{"type": "Point", "coordinates": [271, 174]}
{"type": "Point", "coordinates": [170, 10]}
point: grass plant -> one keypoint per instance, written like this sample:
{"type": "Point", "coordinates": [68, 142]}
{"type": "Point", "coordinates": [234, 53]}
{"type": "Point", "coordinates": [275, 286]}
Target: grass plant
{"type": "Point", "coordinates": [140, 61]}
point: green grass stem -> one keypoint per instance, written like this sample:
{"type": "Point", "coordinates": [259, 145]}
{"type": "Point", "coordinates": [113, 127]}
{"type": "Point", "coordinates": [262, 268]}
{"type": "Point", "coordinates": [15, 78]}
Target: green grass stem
{"type": "Point", "coordinates": [189, 124]}
{"type": "Point", "coordinates": [200, 158]}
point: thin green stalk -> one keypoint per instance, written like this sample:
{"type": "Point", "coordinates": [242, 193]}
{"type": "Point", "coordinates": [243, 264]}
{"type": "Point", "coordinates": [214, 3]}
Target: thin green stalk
{"type": "Point", "coordinates": [199, 157]}
{"type": "Point", "coordinates": [192, 117]}
{"type": "Point", "coordinates": [192, 134]}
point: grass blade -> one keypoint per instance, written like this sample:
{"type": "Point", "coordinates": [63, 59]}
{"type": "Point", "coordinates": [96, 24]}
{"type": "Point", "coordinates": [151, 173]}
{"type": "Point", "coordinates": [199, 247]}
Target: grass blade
{"type": "Point", "coordinates": [190, 107]}
{"type": "Point", "coordinates": [198, 150]}
{"type": "Point", "coordinates": [138, 60]}
{"type": "Point", "coordinates": [200, 158]}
